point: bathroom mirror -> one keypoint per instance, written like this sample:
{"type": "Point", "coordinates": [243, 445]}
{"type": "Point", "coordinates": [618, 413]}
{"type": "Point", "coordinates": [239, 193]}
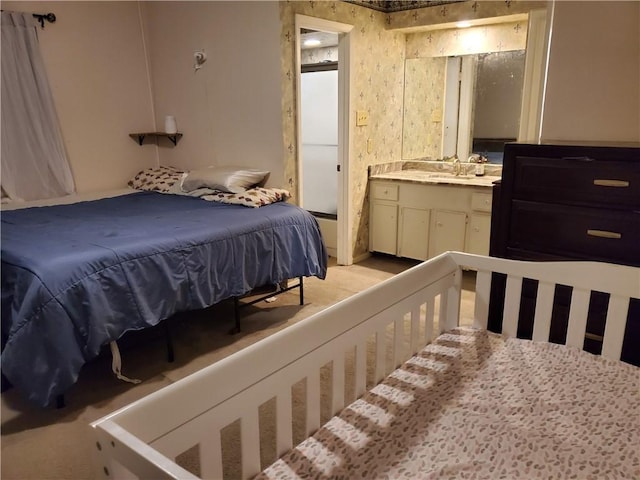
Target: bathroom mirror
{"type": "Point", "coordinates": [462, 105]}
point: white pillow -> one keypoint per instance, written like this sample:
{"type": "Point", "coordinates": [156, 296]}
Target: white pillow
{"type": "Point", "coordinates": [226, 179]}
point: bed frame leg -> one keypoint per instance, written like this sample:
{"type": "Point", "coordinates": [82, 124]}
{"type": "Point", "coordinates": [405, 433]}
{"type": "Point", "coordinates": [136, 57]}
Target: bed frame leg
{"type": "Point", "coordinates": [236, 314]}
{"type": "Point", "coordinates": [301, 290]}
{"type": "Point", "coordinates": [60, 401]}
{"type": "Point", "coordinates": [170, 354]}
{"type": "Point", "coordinates": [282, 287]}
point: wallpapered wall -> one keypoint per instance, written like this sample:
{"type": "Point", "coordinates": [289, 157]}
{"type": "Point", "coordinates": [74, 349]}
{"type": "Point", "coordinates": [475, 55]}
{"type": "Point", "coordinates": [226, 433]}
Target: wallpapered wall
{"type": "Point", "coordinates": [487, 38]}
{"type": "Point", "coordinates": [377, 87]}
{"type": "Point", "coordinates": [318, 55]}
{"type": "Point", "coordinates": [424, 87]}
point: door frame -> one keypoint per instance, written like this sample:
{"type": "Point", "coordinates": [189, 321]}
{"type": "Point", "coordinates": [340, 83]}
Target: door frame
{"type": "Point", "coordinates": [535, 75]}
{"type": "Point", "coordinates": [344, 222]}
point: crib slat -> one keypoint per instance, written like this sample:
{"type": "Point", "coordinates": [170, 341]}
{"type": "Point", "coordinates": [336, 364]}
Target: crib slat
{"type": "Point", "coordinates": [284, 429]}
{"type": "Point", "coordinates": [452, 310]}
{"type": "Point", "coordinates": [428, 321]}
{"type": "Point", "coordinates": [380, 355]}
{"type": "Point", "coordinates": [544, 307]}
{"type": "Point", "coordinates": [337, 391]}
{"type": "Point", "coordinates": [361, 369]}
{"type": "Point", "coordinates": [211, 455]}
{"type": "Point", "coordinates": [578, 317]}
{"type": "Point", "coordinates": [398, 335]}
{"type": "Point", "coordinates": [511, 306]}
{"type": "Point", "coordinates": [481, 307]}
{"type": "Point", "coordinates": [313, 401]}
{"type": "Point", "coordinates": [442, 313]}
{"type": "Point", "coordinates": [415, 329]}
{"type": "Point", "coordinates": [250, 443]}
{"type": "Point", "coordinates": [615, 326]}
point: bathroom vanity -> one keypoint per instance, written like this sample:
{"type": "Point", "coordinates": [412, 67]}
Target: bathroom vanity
{"type": "Point", "coordinates": [421, 209]}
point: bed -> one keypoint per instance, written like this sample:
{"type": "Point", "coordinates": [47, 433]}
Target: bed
{"type": "Point", "coordinates": [76, 277]}
{"type": "Point", "coordinates": [394, 387]}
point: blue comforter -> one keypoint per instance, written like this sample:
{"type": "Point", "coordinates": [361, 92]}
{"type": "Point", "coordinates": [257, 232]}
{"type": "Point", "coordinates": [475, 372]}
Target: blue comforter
{"type": "Point", "coordinates": [75, 277]}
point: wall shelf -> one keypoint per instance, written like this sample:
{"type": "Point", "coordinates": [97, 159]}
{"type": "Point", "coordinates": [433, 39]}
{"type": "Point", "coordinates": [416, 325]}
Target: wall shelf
{"type": "Point", "coordinates": [139, 137]}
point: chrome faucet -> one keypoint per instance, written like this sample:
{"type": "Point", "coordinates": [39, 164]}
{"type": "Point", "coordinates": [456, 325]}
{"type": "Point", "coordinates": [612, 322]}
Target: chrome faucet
{"type": "Point", "coordinates": [456, 166]}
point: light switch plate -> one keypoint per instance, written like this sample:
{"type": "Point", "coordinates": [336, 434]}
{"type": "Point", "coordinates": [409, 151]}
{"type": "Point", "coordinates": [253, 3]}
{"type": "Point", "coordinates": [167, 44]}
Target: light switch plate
{"type": "Point", "coordinates": [362, 118]}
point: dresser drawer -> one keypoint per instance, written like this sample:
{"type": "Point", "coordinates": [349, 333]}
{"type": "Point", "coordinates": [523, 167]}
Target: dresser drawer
{"type": "Point", "coordinates": [576, 232]}
{"type": "Point", "coordinates": [580, 181]}
{"type": "Point", "coordinates": [384, 191]}
{"type": "Point", "coordinates": [481, 202]}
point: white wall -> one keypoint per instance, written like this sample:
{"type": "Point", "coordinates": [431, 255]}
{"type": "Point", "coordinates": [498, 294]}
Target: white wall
{"type": "Point", "coordinates": [230, 110]}
{"type": "Point", "coordinates": [593, 87]}
{"type": "Point", "coordinates": [96, 65]}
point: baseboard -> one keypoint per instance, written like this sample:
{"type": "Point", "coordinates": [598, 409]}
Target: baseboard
{"type": "Point", "coordinates": [362, 257]}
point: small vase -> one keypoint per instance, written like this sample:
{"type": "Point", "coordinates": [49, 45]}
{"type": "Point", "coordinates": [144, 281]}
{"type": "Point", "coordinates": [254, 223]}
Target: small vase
{"type": "Point", "coordinates": [170, 125]}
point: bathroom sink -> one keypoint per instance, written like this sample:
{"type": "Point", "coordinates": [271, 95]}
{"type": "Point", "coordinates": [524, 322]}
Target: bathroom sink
{"type": "Point", "coordinates": [450, 176]}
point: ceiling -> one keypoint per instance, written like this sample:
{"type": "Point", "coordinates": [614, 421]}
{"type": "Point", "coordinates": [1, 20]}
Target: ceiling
{"type": "Point", "coordinates": [388, 6]}
{"type": "Point", "coordinates": [326, 39]}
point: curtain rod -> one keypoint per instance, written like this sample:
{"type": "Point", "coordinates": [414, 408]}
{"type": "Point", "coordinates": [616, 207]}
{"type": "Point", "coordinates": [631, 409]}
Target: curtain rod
{"type": "Point", "coordinates": [49, 17]}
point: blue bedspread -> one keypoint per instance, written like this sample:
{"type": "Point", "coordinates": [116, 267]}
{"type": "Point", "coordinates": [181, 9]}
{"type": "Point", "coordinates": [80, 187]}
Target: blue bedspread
{"type": "Point", "coordinates": [75, 277]}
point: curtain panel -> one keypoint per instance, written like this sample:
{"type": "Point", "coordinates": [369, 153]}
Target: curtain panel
{"type": "Point", "coordinates": [34, 159]}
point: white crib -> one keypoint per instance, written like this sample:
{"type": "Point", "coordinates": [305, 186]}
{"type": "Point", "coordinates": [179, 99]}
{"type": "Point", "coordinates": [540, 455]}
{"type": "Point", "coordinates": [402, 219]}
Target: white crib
{"type": "Point", "coordinates": [400, 315]}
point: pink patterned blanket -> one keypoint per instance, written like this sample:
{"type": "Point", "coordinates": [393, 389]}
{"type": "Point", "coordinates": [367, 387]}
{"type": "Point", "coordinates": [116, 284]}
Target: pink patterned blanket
{"type": "Point", "coordinates": [473, 405]}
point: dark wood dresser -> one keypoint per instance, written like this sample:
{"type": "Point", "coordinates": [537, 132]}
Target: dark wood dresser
{"type": "Point", "coordinates": [568, 202]}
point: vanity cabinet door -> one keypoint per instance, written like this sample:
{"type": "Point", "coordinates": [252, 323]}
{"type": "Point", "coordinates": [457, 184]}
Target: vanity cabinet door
{"type": "Point", "coordinates": [479, 234]}
{"type": "Point", "coordinates": [414, 233]}
{"type": "Point", "coordinates": [448, 232]}
{"type": "Point", "coordinates": [384, 228]}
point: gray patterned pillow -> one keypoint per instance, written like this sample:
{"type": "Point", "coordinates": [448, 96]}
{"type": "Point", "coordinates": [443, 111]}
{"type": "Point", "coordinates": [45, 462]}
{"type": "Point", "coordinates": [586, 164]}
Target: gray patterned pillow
{"type": "Point", "coordinates": [156, 179]}
{"type": "Point", "coordinates": [229, 179]}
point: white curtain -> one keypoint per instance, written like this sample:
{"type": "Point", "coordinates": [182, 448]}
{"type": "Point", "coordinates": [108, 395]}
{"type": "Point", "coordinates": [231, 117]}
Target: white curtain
{"type": "Point", "coordinates": [34, 160]}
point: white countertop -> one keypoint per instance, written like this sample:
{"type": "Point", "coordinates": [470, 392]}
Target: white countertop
{"type": "Point", "coordinates": [439, 178]}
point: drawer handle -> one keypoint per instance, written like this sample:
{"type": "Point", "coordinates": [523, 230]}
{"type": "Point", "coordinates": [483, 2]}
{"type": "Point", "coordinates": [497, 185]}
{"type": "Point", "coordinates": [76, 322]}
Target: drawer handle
{"type": "Point", "coordinates": [604, 234]}
{"type": "Point", "coordinates": [605, 182]}
{"type": "Point", "coordinates": [579, 159]}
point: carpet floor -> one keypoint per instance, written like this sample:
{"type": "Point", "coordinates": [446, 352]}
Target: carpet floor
{"type": "Point", "coordinates": [54, 443]}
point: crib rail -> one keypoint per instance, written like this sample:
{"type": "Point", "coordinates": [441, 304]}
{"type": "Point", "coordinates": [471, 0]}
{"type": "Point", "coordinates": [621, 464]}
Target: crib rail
{"type": "Point", "coordinates": [366, 335]}
{"type": "Point", "coordinates": [621, 282]}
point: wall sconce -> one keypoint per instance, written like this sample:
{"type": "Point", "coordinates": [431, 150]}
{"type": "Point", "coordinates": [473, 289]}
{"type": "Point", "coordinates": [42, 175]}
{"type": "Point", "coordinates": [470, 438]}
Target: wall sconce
{"type": "Point", "coordinates": [199, 58]}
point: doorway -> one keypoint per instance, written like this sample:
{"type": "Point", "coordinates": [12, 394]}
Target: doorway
{"type": "Point", "coordinates": [325, 155]}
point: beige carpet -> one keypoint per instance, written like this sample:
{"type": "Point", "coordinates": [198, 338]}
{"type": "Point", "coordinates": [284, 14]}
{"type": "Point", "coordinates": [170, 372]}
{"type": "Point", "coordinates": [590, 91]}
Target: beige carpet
{"type": "Point", "coordinates": [54, 443]}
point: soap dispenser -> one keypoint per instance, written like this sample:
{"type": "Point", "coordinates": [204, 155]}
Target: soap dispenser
{"type": "Point", "coordinates": [479, 160]}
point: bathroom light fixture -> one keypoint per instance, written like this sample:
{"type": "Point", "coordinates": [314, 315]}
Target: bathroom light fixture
{"type": "Point", "coordinates": [312, 42]}
{"type": "Point", "coordinates": [464, 24]}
